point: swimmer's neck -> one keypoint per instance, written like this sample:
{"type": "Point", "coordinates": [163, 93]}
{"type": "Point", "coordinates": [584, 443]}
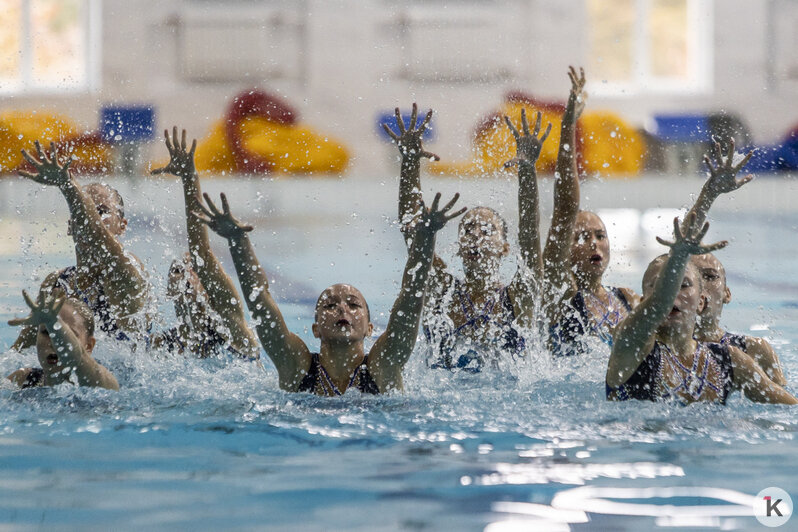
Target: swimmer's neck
{"type": "Point", "coordinates": [681, 344]}
{"type": "Point", "coordinates": [709, 330]}
{"type": "Point", "coordinates": [481, 280]}
{"type": "Point", "coordinates": [341, 360]}
{"type": "Point", "coordinates": [590, 284]}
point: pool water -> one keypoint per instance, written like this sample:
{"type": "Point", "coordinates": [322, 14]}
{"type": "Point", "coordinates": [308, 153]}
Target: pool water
{"type": "Point", "coordinates": [208, 444]}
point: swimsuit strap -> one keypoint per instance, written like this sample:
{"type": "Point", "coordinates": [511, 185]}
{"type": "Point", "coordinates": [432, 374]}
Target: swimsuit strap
{"type": "Point", "coordinates": [611, 314]}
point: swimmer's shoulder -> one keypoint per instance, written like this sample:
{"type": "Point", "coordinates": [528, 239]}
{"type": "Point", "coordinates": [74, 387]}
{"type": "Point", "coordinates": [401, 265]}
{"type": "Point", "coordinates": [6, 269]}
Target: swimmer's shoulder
{"type": "Point", "coordinates": [26, 377]}
{"type": "Point", "coordinates": [631, 297]}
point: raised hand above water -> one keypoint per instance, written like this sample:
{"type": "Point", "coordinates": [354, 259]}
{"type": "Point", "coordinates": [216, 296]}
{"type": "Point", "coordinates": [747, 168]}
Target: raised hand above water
{"type": "Point", "coordinates": [48, 170]}
{"type": "Point", "coordinates": [222, 223]}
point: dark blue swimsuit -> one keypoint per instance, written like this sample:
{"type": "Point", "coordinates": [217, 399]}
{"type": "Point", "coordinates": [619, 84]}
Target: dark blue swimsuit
{"type": "Point", "coordinates": [99, 305]}
{"type": "Point", "coordinates": [568, 337]}
{"type": "Point", "coordinates": [646, 383]}
{"type": "Point", "coordinates": [443, 338]}
{"type": "Point", "coordinates": [317, 377]}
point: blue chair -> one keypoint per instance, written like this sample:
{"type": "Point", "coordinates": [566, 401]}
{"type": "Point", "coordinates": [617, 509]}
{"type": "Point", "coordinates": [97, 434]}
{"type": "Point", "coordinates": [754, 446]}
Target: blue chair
{"type": "Point", "coordinates": [389, 117]}
{"type": "Point", "coordinates": [127, 124]}
{"type": "Point", "coordinates": [127, 127]}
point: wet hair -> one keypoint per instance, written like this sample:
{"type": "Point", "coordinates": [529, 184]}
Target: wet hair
{"type": "Point", "coordinates": [318, 301]}
{"type": "Point", "coordinates": [84, 313]}
{"type": "Point", "coordinates": [491, 210]}
{"type": "Point", "coordinates": [113, 192]}
{"type": "Point", "coordinates": [660, 261]}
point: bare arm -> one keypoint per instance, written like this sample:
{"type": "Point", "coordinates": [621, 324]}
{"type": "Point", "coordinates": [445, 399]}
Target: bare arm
{"type": "Point", "coordinates": [410, 198]}
{"type": "Point", "coordinates": [722, 179]}
{"type": "Point", "coordinates": [71, 353]}
{"type": "Point", "coordinates": [557, 250]}
{"type": "Point", "coordinates": [287, 351]}
{"type": "Point", "coordinates": [393, 348]}
{"type": "Point", "coordinates": [634, 337]}
{"type": "Point", "coordinates": [763, 354]}
{"type": "Point", "coordinates": [125, 286]}
{"type": "Point", "coordinates": [754, 382]}
{"type": "Point", "coordinates": [222, 294]}
{"type": "Point", "coordinates": [528, 146]}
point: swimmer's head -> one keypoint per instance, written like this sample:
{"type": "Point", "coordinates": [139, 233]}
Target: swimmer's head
{"type": "Point", "coordinates": [713, 279]}
{"type": "Point", "coordinates": [342, 315]}
{"type": "Point", "coordinates": [482, 238]}
{"type": "Point", "coordinates": [109, 205]}
{"type": "Point", "coordinates": [80, 320]}
{"type": "Point", "coordinates": [182, 278]}
{"type": "Point", "coordinates": [690, 300]}
{"type": "Point", "coordinates": [590, 248]}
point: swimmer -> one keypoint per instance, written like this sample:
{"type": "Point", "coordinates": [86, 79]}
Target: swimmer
{"type": "Point", "coordinates": [342, 318]}
{"type": "Point", "coordinates": [200, 330]}
{"type": "Point", "coordinates": [201, 287]}
{"type": "Point", "coordinates": [105, 277]}
{"type": "Point", "coordinates": [708, 329]}
{"type": "Point", "coordinates": [655, 355]}
{"type": "Point", "coordinates": [64, 342]}
{"type": "Point", "coordinates": [479, 314]}
{"type": "Point", "coordinates": [591, 309]}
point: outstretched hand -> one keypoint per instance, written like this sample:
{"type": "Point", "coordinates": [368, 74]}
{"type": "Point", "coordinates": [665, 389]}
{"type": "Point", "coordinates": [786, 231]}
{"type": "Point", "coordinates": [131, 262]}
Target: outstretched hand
{"type": "Point", "coordinates": [45, 310]}
{"type": "Point", "coordinates": [578, 96]}
{"type": "Point", "coordinates": [409, 139]}
{"type": "Point", "coordinates": [48, 170]}
{"type": "Point", "coordinates": [528, 145]}
{"type": "Point", "coordinates": [689, 238]}
{"type": "Point", "coordinates": [434, 219]}
{"type": "Point", "coordinates": [222, 223]}
{"type": "Point", "coordinates": [722, 175]}
{"type": "Point", "coordinates": [181, 161]}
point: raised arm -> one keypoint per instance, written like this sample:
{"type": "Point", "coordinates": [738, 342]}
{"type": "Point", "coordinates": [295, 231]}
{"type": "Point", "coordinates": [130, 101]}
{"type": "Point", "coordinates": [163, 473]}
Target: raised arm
{"type": "Point", "coordinates": [722, 179]}
{"type": "Point", "coordinates": [528, 146]}
{"type": "Point", "coordinates": [409, 143]}
{"type": "Point", "coordinates": [125, 286]}
{"type": "Point", "coordinates": [557, 250]}
{"type": "Point", "coordinates": [222, 294]}
{"type": "Point", "coordinates": [634, 337]}
{"type": "Point", "coordinates": [393, 348]}
{"type": "Point", "coordinates": [287, 351]}
{"type": "Point", "coordinates": [71, 353]}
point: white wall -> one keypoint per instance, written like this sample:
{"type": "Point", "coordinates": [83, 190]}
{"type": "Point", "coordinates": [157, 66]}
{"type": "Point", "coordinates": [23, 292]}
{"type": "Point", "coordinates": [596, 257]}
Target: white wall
{"type": "Point", "coordinates": [351, 64]}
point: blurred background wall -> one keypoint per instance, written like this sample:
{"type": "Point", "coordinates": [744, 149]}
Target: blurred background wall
{"type": "Point", "coordinates": [341, 62]}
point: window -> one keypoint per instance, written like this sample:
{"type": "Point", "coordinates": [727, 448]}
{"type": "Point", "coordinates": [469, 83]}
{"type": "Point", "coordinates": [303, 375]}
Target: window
{"type": "Point", "coordinates": [49, 45]}
{"type": "Point", "coordinates": [649, 45]}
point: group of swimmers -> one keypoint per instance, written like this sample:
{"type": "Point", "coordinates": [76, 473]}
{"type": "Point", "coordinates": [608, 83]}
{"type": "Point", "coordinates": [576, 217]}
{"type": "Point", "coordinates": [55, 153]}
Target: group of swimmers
{"type": "Point", "coordinates": [666, 344]}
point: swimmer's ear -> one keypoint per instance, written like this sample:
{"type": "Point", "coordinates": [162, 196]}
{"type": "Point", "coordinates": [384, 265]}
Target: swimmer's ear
{"type": "Point", "coordinates": [90, 343]}
{"type": "Point", "coordinates": [124, 224]}
{"type": "Point", "coordinates": [727, 296]}
{"type": "Point", "coordinates": [506, 249]}
{"type": "Point", "coordinates": [315, 329]}
{"type": "Point", "coordinates": [371, 329]}
{"type": "Point", "coordinates": [702, 304]}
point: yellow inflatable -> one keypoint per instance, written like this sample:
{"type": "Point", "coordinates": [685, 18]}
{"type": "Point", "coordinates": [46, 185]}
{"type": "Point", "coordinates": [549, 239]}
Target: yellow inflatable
{"type": "Point", "coordinates": [260, 134]}
{"type": "Point", "coordinates": [606, 145]}
{"type": "Point", "coordinates": [20, 129]}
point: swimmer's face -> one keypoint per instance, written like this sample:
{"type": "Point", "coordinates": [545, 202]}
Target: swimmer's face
{"type": "Point", "coordinates": [108, 207]}
{"type": "Point", "coordinates": [48, 357]}
{"type": "Point", "coordinates": [481, 238]}
{"type": "Point", "coordinates": [713, 277]}
{"type": "Point", "coordinates": [590, 249]}
{"type": "Point", "coordinates": [342, 315]}
{"type": "Point", "coordinates": [689, 301]}
{"type": "Point", "coordinates": [183, 280]}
